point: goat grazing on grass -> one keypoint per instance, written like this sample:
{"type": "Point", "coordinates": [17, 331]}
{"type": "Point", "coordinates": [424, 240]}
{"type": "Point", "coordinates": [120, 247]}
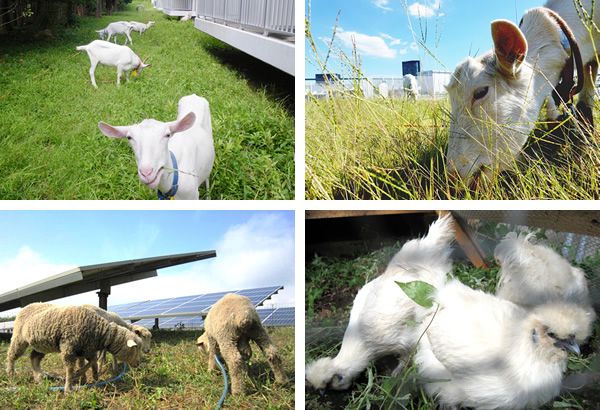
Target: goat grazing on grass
{"type": "Point", "coordinates": [379, 320]}
{"type": "Point", "coordinates": [118, 27]}
{"type": "Point", "coordinates": [175, 157]}
{"type": "Point", "coordinates": [497, 98]}
{"type": "Point", "coordinates": [113, 55]}
{"type": "Point", "coordinates": [140, 27]}
{"type": "Point", "coordinates": [411, 87]}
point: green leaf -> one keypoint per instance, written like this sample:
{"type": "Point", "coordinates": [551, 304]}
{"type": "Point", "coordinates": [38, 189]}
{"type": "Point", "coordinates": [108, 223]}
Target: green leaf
{"type": "Point", "coordinates": [419, 291]}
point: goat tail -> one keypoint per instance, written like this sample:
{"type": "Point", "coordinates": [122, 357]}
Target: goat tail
{"type": "Point", "coordinates": [81, 48]}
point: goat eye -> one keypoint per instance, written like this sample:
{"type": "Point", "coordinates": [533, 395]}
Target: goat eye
{"type": "Point", "coordinates": [480, 93]}
{"type": "Point", "coordinates": [168, 135]}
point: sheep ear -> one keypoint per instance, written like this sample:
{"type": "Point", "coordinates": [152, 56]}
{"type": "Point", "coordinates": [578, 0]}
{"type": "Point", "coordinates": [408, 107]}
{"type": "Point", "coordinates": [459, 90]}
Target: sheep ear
{"type": "Point", "coordinates": [131, 343]}
{"type": "Point", "coordinates": [510, 46]}
{"type": "Point", "coordinates": [199, 344]}
{"type": "Point", "coordinates": [113, 132]}
{"type": "Point", "coordinates": [183, 124]}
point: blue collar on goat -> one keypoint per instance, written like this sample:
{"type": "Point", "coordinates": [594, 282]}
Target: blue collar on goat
{"type": "Point", "coordinates": [173, 190]}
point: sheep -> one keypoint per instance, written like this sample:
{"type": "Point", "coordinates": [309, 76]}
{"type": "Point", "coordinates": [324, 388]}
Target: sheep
{"type": "Point", "coordinates": [481, 351]}
{"type": "Point", "coordinates": [229, 326]}
{"type": "Point", "coordinates": [497, 98]}
{"type": "Point", "coordinates": [180, 150]}
{"type": "Point", "coordinates": [119, 27]}
{"type": "Point", "coordinates": [380, 316]}
{"type": "Point", "coordinates": [73, 331]}
{"type": "Point", "coordinates": [411, 87]}
{"type": "Point", "coordinates": [533, 274]}
{"type": "Point", "coordinates": [115, 56]}
{"type": "Point", "coordinates": [140, 27]}
{"type": "Point", "coordinates": [144, 334]}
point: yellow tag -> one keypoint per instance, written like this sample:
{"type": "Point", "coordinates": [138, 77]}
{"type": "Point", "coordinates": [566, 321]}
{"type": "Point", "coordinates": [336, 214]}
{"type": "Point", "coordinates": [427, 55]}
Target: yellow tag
{"type": "Point", "coordinates": [135, 73]}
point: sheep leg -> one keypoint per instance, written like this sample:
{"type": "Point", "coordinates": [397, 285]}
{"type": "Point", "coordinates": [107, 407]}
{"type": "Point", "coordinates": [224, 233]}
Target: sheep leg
{"type": "Point", "coordinates": [92, 71]}
{"type": "Point", "coordinates": [69, 362]}
{"type": "Point", "coordinates": [237, 367]}
{"type": "Point", "coordinates": [586, 97]}
{"type": "Point", "coordinates": [15, 351]}
{"type": "Point", "coordinates": [36, 360]}
{"type": "Point", "coordinates": [81, 364]}
{"type": "Point", "coordinates": [212, 351]}
{"type": "Point", "coordinates": [245, 349]}
{"type": "Point", "coordinates": [270, 351]}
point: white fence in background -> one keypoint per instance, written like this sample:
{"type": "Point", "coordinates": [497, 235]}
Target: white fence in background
{"type": "Point", "coordinates": [268, 16]}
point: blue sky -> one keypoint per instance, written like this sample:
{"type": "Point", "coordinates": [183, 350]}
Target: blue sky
{"type": "Point", "coordinates": [254, 249]}
{"type": "Point", "coordinates": [385, 31]}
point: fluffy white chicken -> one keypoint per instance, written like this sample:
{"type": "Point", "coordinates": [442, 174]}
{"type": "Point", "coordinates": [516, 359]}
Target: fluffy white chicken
{"type": "Point", "coordinates": [489, 353]}
{"type": "Point", "coordinates": [532, 274]}
{"type": "Point", "coordinates": [381, 310]}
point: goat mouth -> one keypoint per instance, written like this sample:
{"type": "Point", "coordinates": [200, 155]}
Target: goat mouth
{"type": "Point", "coordinates": [154, 182]}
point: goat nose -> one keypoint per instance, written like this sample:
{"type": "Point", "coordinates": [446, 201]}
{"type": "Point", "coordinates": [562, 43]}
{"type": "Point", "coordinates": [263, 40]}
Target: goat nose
{"type": "Point", "coordinates": [146, 173]}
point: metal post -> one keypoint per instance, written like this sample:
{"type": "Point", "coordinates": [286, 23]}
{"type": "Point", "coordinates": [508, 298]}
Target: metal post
{"type": "Point", "coordinates": [103, 294]}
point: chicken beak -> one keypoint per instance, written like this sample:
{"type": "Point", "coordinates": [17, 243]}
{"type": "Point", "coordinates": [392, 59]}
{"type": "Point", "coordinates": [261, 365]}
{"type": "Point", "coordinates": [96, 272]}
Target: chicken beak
{"type": "Point", "coordinates": [569, 345]}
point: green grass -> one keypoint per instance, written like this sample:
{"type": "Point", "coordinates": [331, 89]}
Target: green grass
{"type": "Point", "coordinates": [52, 147]}
{"type": "Point", "coordinates": [327, 315]}
{"type": "Point", "coordinates": [373, 148]}
{"type": "Point", "coordinates": [173, 375]}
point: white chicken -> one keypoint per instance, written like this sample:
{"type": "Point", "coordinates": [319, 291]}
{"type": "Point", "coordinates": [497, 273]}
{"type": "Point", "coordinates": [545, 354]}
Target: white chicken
{"type": "Point", "coordinates": [532, 274]}
{"type": "Point", "coordinates": [489, 353]}
{"type": "Point", "coordinates": [381, 310]}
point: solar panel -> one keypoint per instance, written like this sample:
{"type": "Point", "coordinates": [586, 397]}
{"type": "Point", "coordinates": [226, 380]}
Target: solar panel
{"type": "Point", "coordinates": [183, 306]}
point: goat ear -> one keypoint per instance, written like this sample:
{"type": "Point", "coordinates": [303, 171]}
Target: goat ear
{"type": "Point", "coordinates": [510, 46]}
{"type": "Point", "coordinates": [113, 132]}
{"type": "Point", "coordinates": [183, 124]}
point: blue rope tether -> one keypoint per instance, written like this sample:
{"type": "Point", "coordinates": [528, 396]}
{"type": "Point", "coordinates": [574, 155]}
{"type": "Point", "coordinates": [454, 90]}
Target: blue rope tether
{"type": "Point", "coordinates": [85, 386]}
{"type": "Point", "coordinates": [225, 378]}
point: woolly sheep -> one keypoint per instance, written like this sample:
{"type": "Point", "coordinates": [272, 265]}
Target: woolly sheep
{"type": "Point", "coordinates": [496, 98]}
{"type": "Point", "coordinates": [140, 331]}
{"type": "Point", "coordinates": [230, 325]}
{"type": "Point", "coordinates": [181, 150]}
{"type": "Point", "coordinates": [73, 331]}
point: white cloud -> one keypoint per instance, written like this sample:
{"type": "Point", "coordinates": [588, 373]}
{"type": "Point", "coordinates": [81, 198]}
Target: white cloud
{"type": "Point", "coordinates": [382, 4]}
{"type": "Point", "coordinates": [257, 253]}
{"type": "Point", "coordinates": [366, 45]}
{"type": "Point", "coordinates": [393, 41]}
{"type": "Point", "coordinates": [424, 10]}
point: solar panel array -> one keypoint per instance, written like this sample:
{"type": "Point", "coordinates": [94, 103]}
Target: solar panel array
{"type": "Point", "coordinates": [185, 311]}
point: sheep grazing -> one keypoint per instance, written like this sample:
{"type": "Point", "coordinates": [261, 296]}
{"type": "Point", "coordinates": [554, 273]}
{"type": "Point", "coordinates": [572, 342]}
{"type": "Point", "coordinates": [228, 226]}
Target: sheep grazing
{"type": "Point", "coordinates": [144, 334]}
{"type": "Point", "coordinates": [411, 87]}
{"type": "Point", "coordinates": [140, 27]}
{"type": "Point", "coordinates": [173, 158]}
{"type": "Point", "coordinates": [73, 331]}
{"type": "Point", "coordinates": [230, 325]}
{"type": "Point", "coordinates": [379, 320]}
{"type": "Point", "coordinates": [481, 351]}
{"type": "Point", "coordinates": [119, 27]}
{"type": "Point", "coordinates": [497, 98]}
{"type": "Point", "coordinates": [115, 56]}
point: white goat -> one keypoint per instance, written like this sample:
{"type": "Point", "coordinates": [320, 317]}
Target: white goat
{"type": "Point", "coordinates": [118, 27]}
{"type": "Point", "coordinates": [497, 98]}
{"type": "Point", "coordinates": [113, 55]}
{"type": "Point", "coordinates": [187, 17]}
{"type": "Point", "coordinates": [140, 27]}
{"type": "Point", "coordinates": [411, 87]}
{"type": "Point", "coordinates": [173, 157]}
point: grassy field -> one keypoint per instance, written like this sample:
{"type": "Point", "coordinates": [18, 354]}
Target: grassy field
{"type": "Point", "coordinates": [173, 375]}
{"type": "Point", "coordinates": [374, 148]}
{"type": "Point", "coordinates": [52, 147]}
{"type": "Point", "coordinates": [332, 283]}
